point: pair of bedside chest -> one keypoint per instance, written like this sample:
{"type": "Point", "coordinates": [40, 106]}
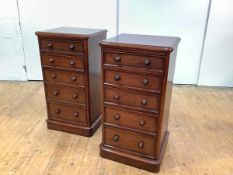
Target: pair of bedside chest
{"type": "Point", "coordinates": [130, 86]}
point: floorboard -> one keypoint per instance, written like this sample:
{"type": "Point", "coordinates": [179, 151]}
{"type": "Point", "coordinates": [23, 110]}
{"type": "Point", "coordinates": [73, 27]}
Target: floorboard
{"type": "Point", "coordinates": [200, 141]}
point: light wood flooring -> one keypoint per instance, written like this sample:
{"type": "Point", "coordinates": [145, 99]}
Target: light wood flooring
{"type": "Point", "coordinates": [200, 142]}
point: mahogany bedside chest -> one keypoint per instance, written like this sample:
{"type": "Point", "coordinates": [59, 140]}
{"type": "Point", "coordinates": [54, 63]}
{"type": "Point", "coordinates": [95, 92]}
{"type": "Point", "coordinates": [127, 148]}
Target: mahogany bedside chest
{"type": "Point", "coordinates": [70, 59]}
{"type": "Point", "coordinates": [137, 77]}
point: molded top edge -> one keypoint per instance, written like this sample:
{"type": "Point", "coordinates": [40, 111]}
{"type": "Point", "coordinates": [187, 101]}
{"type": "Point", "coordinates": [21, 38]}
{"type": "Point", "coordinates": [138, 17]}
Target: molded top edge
{"type": "Point", "coordinates": [162, 43]}
{"type": "Point", "coordinates": [71, 32]}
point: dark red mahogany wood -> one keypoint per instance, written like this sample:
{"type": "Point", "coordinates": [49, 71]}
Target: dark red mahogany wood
{"type": "Point", "coordinates": [137, 78]}
{"type": "Point", "coordinates": [70, 59]}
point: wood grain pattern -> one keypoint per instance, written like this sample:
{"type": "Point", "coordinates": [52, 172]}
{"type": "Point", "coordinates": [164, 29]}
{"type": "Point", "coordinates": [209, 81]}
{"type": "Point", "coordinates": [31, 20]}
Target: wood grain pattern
{"type": "Point", "coordinates": [71, 32]}
{"type": "Point", "coordinates": [129, 141]}
{"type": "Point", "coordinates": [66, 47]}
{"type": "Point", "coordinates": [65, 112]}
{"type": "Point", "coordinates": [148, 63]}
{"type": "Point", "coordinates": [65, 93]}
{"type": "Point", "coordinates": [144, 83]}
{"type": "Point", "coordinates": [71, 68]}
{"type": "Point", "coordinates": [133, 100]}
{"type": "Point", "coordinates": [147, 42]}
{"type": "Point", "coordinates": [200, 140]}
{"type": "Point", "coordinates": [130, 119]}
{"type": "Point", "coordinates": [62, 61]}
{"type": "Point", "coordinates": [65, 77]}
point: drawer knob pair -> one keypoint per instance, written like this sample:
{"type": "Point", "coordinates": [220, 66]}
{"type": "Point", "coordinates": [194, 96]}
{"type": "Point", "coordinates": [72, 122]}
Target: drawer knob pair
{"type": "Point", "coordinates": [117, 117]}
{"type": "Point", "coordinates": [71, 47]}
{"type": "Point", "coordinates": [58, 111]}
{"type": "Point", "coordinates": [72, 63]}
{"type": "Point", "coordinates": [76, 114]}
{"type": "Point", "coordinates": [117, 59]}
{"type": "Point", "coordinates": [116, 97]}
{"type": "Point", "coordinates": [117, 77]}
{"type": "Point", "coordinates": [141, 144]}
{"type": "Point", "coordinates": [50, 45]}
{"type": "Point", "coordinates": [51, 60]}
{"type": "Point", "coordinates": [144, 102]}
{"type": "Point", "coordinates": [145, 81]}
{"type": "Point", "coordinates": [75, 96]}
{"type": "Point", "coordinates": [73, 79]}
{"type": "Point", "coordinates": [56, 93]}
{"type": "Point", "coordinates": [147, 62]}
{"type": "Point", "coordinates": [115, 138]}
{"type": "Point", "coordinates": [53, 76]}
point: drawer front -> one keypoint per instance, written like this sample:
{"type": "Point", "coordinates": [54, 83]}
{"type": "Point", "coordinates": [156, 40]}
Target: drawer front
{"type": "Point", "coordinates": [67, 112]}
{"type": "Point", "coordinates": [145, 62]}
{"type": "Point", "coordinates": [152, 82]}
{"type": "Point", "coordinates": [131, 98]}
{"type": "Point", "coordinates": [130, 119]}
{"type": "Point", "coordinates": [129, 140]}
{"type": "Point", "coordinates": [62, 61]}
{"type": "Point", "coordinates": [61, 46]}
{"type": "Point", "coordinates": [71, 77]}
{"type": "Point", "coordinates": [65, 93]}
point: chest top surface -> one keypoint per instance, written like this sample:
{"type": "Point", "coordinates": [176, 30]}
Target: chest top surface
{"type": "Point", "coordinates": [165, 43]}
{"type": "Point", "coordinates": [71, 32]}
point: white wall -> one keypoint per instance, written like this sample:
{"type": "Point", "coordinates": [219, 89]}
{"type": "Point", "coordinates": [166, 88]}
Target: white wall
{"type": "Point", "coordinates": [182, 18]}
{"type": "Point", "coordinates": [217, 61]}
{"type": "Point", "coordinates": [11, 48]}
{"type": "Point", "coordinates": [43, 14]}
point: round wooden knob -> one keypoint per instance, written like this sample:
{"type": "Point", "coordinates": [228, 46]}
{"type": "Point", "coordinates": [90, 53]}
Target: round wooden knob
{"type": "Point", "coordinates": [117, 59]}
{"type": "Point", "coordinates": [50, 45]}
{"type": "Point", "coordinates": [117, 77]}
{"type": "Point", "coordinates": [147, 62]}
{"type": "Point", "coordinates": [116, 97]}
{"type": "Point", "coordinates": [75, 96]}
{"type": "Point", "coordinates": [116, 117]}
{"type": "Point", "coordinates": [56, 93]}
{"type": "Point", "coordinates": [144, 102]}
{"type": "Point", "coordinates": [53, 76]}
{"type": "Point", "coordinates": [72, 63]}
{"type": "Point", "coordinates": [145, 81]}
{"type": "Point", "coordinates": [115, 138]}
{"type": "Point", "coordinates": [58, 111]}
{"type": "Point", "coordinates": [71, 46]}
{"type": "Point", "coordinates": [76, 114]}
{"type": "Point", "coordinates": [141, 144]}
{"type": "Point", "coordinates": [142, 122]}
{"type": "Point", "coordinates": [73, 78]}
{"type": "Point", "coordinates": [51, 60]}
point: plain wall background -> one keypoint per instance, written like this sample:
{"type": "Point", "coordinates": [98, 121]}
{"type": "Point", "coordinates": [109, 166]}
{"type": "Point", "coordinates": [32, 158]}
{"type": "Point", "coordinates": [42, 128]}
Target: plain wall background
{"type": "Point", "coordinates": [43, 14]}
{"type": "Point", "coordinates": [11, 47]}
{"type": "Point", "coordinates": [19, 19]}
{"type": "Point", "coordinates": [182, 18]}
{"type": "Point", "coordinates": [217, 61]}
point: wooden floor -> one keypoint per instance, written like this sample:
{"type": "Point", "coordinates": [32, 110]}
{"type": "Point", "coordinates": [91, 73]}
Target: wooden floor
{"type": "Point", "coordinates": [200, 143]}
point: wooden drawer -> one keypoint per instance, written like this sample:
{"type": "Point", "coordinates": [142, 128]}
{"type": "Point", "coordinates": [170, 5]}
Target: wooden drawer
{"type": "Point", "coordinates": [132, 99]}
{"type": "Point", "coordinates": [62, 61]}
{"type": "Point", "coordinates": [65, 93]}
{"type": "Point", "coordinates": [128, 140]}
{"type": "Point", "coordinates": [132, 60]}
{"type": "Point", "coordinates": [69, 47]}
{"type": "Point", "coordinates": [71, 77]}
{"type": "Point", "coordinates": [67, 112]}
{"type": "Point", "coordinates": [131, 119]}
{"type": "Point", "coordinates": [150, 82]}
